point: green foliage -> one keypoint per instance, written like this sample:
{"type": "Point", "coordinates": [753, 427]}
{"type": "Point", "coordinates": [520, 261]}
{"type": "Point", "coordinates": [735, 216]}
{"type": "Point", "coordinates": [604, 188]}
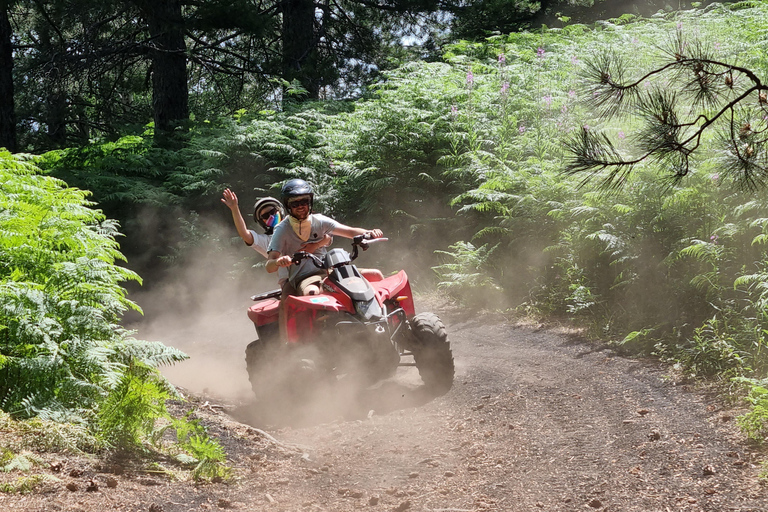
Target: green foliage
{"type": "Point", "coordinates": [755, 422]}
{"type": "Point", "coordinates": [128, 415]}
{"type": "Point", "coordinates": [134, 413]}
{"type": "Point", "coordinates": [63, 354]}
{"type": "Point", "coordinates": [385, 153]}
{"type": "Point", "coordinates": [49, 436]}
{"type": "Point", "coordinates": [20, 462]}
{"type": "Point", "coordinates": [134, 181]}
{"type": "Point", "coordinates": [27, 484]}
{"type": "Point", "coordinates": [60, 297]}
{"type": "Point", "coordinates": [204, 455]}
{"type": "Point", "coordinates": [463, 276]}
{"type": "Point", "coordinates": [638, 342]}
{"type": "Point", "coordinates": [713, 350]}
{"type": "Point", "coordinates": [128, 171]}
{"type": "Point", "coordinates": [210, 458]}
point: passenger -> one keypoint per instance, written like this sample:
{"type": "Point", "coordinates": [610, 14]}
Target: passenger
{"type": "Point", "coordinates": [268, 212]}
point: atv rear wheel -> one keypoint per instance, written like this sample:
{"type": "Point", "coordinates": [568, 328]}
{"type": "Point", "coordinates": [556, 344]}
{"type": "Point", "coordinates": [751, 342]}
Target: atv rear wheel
{"type": "Point", "coordinates": [261, 357]}
{"type": "Point", "coordinates": [432, 352]}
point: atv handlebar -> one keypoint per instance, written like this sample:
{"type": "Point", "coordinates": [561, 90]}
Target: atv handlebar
{"type": "Point", "coordinates": [360, 241]}
{"type": "Point", "coordinates": [363, 241]}
{"type": "Point", "coordinates": [301, 255]}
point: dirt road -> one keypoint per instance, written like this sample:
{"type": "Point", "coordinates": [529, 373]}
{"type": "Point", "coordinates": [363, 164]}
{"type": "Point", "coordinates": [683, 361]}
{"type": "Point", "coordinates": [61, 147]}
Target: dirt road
{"type": "Point", "coordinates": [536, 421]}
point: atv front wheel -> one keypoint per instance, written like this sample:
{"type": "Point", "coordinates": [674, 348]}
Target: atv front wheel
{"type": "Point", "coordinates": [432, 352]}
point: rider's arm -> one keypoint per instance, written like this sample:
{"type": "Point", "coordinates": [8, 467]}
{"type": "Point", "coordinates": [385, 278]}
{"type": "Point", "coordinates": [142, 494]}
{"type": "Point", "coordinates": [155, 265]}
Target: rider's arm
{"type": "Point", "coordinates": [323, 242]}
{"type": "Point", "coordinates": [350, 232]}
{"type": "Point", "coordinates": [275, 261]}
{"type": "Point", "coordinates": [230, 199]}
{"type": "Point", "coordinates": [272, 265]}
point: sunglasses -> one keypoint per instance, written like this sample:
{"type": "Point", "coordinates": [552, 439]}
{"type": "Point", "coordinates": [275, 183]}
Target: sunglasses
{"type": "Point", "coordinates": [265, 214]}
{"type": "Point", "coordinates": [298, 202]}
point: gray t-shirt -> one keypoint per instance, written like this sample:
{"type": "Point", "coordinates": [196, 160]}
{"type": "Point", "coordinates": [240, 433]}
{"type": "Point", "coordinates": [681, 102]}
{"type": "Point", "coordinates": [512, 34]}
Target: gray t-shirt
{"type": "Point", "coordinates": [287, 242]}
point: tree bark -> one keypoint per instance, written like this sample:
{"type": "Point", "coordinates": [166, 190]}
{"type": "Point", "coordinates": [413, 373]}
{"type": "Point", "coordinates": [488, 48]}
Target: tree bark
{"type": "Point", "coordinates": [7, 103]}
{"type": "Point", "coordinates": [170, 92]}
{"type": "Point", "coordinates": [56, 105]}
{"type": "Point", "coordinates": [300, 45]}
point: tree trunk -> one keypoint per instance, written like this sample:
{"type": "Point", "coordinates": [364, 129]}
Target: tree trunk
{"type": "Point", "coordinates": [170, 93]}
{"type": "Point", "coordinates": [300, 45]}
{"type": "Point", "coordinates": [7, 103]}
{"type": "Point", "coordinates": [56, 108]}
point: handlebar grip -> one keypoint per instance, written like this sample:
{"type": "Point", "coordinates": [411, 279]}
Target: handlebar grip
{"type": "Point", "coordinates": [301, 255]}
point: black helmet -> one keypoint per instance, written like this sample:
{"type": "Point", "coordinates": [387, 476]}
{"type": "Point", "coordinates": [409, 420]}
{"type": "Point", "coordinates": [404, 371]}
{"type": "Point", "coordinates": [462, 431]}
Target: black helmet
{"type": "Point", "coordinates": [268, 203]}
{"type": "Point", "coordinates": [296, 187]}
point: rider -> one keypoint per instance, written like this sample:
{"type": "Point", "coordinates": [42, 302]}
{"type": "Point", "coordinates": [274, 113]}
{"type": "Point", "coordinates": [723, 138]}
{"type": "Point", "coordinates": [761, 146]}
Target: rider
{"type": "Point", "coordinates": [267, 212]}
{"type": "Point", "coordinates": [293, 234]}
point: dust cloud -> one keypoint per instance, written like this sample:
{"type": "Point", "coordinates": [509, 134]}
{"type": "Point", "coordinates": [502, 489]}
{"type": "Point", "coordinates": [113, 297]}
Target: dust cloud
{"type": "Point", "coordinates": [200, 307]}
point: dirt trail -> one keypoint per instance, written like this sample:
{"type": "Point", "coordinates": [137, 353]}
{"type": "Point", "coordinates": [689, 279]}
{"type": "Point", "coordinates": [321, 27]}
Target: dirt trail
{"type": "Point", "coordinates": [535, 421]}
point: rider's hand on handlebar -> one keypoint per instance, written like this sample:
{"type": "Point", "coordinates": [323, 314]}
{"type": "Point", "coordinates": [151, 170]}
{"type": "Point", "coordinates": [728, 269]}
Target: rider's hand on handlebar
{"type": "Point", "coordinates": [374, 233]}
{"type": "Point", "coordinates": [284, 261]}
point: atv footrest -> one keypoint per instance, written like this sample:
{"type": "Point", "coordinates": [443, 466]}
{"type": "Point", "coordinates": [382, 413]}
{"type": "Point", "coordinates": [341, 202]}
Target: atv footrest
{"type": "Point", "coordinates": [274, 294]}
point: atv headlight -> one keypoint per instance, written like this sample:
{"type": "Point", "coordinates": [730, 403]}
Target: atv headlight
{"type": "Point", "coordinates": [369, 309]}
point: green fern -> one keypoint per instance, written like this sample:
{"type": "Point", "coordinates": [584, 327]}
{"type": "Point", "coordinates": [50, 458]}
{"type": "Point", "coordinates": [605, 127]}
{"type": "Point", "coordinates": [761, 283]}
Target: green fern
{"type": "Point", "coordinates": [28, 484]}
{"type": "Point", "coordinates": [22, 462]}
{"type": "Point", "coordinates": [755, 422]}
{"type": "Point", "coordinates": [128, 415]}
{"type": "Point", "coordinates": [63, 355]}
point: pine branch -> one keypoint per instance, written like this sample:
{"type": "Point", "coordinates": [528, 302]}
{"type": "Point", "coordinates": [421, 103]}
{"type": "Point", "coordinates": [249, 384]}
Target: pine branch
{"type": "Point", "coordinates": [666, 137]}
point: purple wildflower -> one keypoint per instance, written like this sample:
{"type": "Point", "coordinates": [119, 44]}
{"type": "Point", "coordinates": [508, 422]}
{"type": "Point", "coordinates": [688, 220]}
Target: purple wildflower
{"type": "Point", "coordinates": [540, 52]}
{"type": "Point", "coordinates": [470, 78]}
{"type": "Point", "coordinates": [522, 129]}
{"type": "Point", "coordinates": [504, 88]}
{"type": "Point", "coordinates": [622, 136]}
{"type": "Point", "coordinates": [502, 58]}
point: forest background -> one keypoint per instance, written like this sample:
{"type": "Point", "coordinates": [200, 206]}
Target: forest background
{"type": "Point", "coordinates": [450, 125]}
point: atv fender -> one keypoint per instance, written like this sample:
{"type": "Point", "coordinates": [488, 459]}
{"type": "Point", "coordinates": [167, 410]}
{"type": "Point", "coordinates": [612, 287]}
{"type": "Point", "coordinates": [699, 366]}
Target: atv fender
{"type": "Point", "coordinates": [325, 302]}
{"type": "Point", "coordinates": [395, 286]}
{"type": "Point", "coordinates": [264, 312]}
{"type": "Point", "coordinates": [302, 312]}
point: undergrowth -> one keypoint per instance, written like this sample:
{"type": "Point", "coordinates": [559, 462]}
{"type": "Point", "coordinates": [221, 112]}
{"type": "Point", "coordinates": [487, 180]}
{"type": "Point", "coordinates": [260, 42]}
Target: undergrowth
{"type": "Point", "coordinates": [71, 378]}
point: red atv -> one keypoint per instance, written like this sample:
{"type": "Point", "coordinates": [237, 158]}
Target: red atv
{"type": "Point", "coordinates": [358, 327]}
